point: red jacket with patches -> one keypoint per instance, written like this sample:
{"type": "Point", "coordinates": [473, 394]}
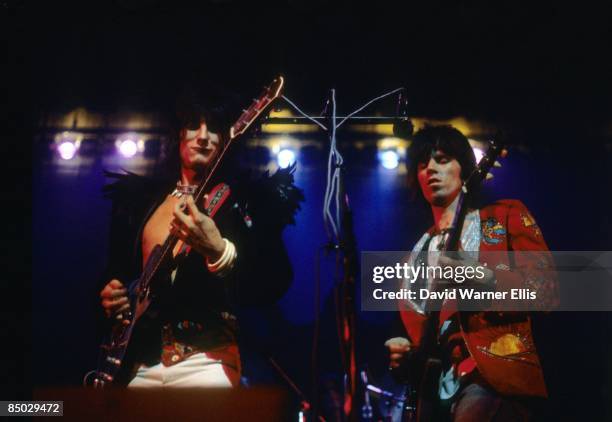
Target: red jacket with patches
{"type": "Point", "coordinates": [501, 344]}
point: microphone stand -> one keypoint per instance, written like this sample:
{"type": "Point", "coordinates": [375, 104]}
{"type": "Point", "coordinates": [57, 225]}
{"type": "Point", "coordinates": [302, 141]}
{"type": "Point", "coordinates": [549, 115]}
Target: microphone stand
{"type": "Point", "coordinates": [347, 312]}
{"type": "Point", "coordinates": [346, 246]}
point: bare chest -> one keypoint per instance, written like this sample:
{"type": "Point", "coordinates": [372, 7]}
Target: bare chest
{"type": "Point", "coordinates": [157, 228]}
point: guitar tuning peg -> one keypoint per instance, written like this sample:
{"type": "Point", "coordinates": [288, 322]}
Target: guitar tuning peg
{"type": "Point", "coordinates": [503, 153]}
{"type": "Point", "coordinates": [497, 164]}
{"type": "Point", "coordinates": [489, 176]}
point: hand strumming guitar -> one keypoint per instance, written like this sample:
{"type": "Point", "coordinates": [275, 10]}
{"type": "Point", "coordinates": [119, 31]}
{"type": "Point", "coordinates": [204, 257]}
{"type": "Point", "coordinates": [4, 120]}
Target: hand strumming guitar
{"type": "Point", "coordinates": [114, 299]}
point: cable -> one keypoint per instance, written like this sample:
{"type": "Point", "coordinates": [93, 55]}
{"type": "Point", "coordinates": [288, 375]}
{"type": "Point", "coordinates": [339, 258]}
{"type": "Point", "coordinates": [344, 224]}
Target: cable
{"type": "Point", "coordinates": [368, 103]}
{"type": "Point", "coordinates": [333, 163]}
{"type": "Point", "coordinates": [332, 189]}
{"type": "Point", "coordinates": [334, 160]}
{"type": "Point", "coordinates": [302, 113]}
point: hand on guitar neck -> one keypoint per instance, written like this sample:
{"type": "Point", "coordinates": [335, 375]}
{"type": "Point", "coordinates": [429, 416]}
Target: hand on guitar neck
{"type": "Point", "coordinates": [197, 230]}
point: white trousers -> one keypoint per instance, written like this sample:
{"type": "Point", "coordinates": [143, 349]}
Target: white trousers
{"type": "Point", "coordinates": [219, 368]}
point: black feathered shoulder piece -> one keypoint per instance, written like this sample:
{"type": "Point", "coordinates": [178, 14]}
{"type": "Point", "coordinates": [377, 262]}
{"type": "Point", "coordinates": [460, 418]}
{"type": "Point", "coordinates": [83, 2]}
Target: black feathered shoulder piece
{"type": "Point", "coordinates": [130, 188]}
{"type": "Point", "coordinates": [270, 200]}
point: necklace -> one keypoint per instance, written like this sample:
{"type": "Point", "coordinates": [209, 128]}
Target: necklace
{"type": "Point", "coordinates": [442, 233]}
{"type": "Point", "coordinates": [181, 190]}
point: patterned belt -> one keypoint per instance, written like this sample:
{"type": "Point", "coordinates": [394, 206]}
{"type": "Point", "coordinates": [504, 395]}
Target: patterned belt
{"type": "Point", "coordinates": [177, 350]}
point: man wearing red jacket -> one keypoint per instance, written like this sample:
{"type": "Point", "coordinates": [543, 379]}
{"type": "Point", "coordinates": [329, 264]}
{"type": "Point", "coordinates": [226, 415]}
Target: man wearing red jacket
{"type": "Point", "coordinates": [490, 367]}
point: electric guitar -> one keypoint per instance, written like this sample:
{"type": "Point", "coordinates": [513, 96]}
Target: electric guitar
{"type": "Point", "coordinates": [160, 263]}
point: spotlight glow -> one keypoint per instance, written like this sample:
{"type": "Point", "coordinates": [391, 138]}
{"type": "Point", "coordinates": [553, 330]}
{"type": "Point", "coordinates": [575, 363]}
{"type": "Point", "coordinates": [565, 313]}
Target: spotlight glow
{"type": "Point", "coordinates": [285, 157]}
{"type": "Point", "coordinates": [478, 153]}
{"type": "Point", "coordinates": [67, 150]}
{"type": "Point", "coordinates": [128, 148]}
{"type": "Point", "coordinates": [389, 159]}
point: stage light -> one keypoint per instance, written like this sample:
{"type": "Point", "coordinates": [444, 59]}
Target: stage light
{"type": "Point", "coordinates": [67, 150]}
{"type": "Point", "coordinates": [478, 153]}
{"type": "Point", "coordinates": [389, 159]}
{"type": "Point", "coordinates": [285, 157]}
{"type": "Point", "coordinates": [128, 148]}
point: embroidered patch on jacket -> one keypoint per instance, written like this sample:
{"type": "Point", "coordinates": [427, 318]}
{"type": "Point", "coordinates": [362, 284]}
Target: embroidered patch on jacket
{"type": "Point", "coordinates": [492, 231]}
{"type": "Point", "coordinates": [510, 347]}
{"type": "Point", "coordinates": [530, 223]}
{"type": "Point", "coordinates": [507, 344]}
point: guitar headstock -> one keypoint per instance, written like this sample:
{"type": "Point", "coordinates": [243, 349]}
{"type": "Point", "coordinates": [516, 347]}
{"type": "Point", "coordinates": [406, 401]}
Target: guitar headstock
{"type": "Point", "coordinates": [259, 104]}
{"type": "Point", "coordinates": [486, 163]}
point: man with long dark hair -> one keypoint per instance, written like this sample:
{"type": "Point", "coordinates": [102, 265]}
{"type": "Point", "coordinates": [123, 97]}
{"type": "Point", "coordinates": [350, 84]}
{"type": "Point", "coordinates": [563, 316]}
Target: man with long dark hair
{"type": "Point", "coordinates": [490, 369]}
{"type": "Point", "coordinates": [188, 336]}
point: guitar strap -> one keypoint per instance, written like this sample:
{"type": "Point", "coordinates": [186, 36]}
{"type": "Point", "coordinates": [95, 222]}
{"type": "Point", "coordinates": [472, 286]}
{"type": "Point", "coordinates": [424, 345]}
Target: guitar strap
{"type": "Point", "coordinates": [216, 198]}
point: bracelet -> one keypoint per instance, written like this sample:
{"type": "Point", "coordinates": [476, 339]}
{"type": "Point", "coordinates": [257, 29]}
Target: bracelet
{"type": "Point", "coordinates": [226, 262]}
{"type": "Point", "coordinates": [221, 258]}
{"type": "Point", "coordinates": [222, 272]}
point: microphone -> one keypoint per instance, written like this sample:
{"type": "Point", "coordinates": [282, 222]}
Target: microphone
{"type": "Point", "coordinates": [402, 127]}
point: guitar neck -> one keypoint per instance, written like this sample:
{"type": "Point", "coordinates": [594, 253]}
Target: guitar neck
{"type": "Point", "coordinates": [452, 243]}
{"type": "Point", "coordinates": [478, 175]}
